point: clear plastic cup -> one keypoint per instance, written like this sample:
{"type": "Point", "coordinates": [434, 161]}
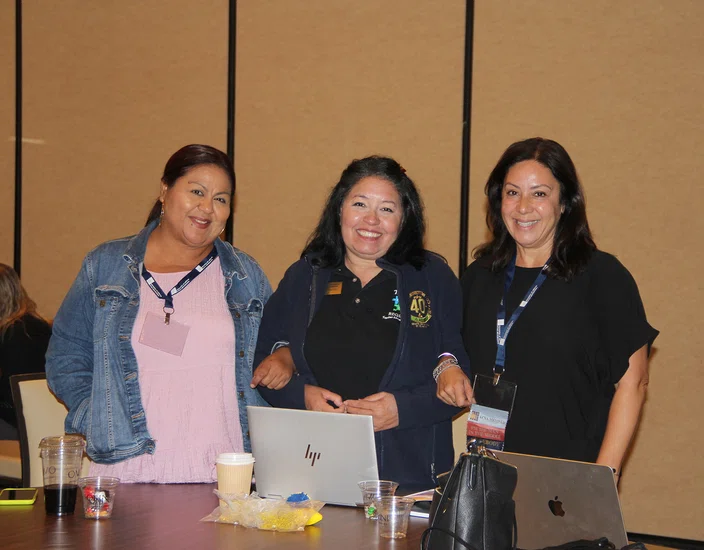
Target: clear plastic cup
{"type": "Point", "coordinates": [62, 457]}
{"type": "Point", "coordinates": [374, 489]}
{"type": "Point", "coordinates": [392, 514]}
{"type": "Point", "coordinates": [98, 496]}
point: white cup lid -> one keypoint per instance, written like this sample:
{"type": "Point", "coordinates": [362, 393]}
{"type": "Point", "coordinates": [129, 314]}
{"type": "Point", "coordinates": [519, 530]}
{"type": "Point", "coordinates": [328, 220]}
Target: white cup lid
{"type": "Point", "coordinates": [235, 458]}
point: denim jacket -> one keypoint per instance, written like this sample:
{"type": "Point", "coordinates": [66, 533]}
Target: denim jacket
{"type": "Point", "coordinates": [91, 365]}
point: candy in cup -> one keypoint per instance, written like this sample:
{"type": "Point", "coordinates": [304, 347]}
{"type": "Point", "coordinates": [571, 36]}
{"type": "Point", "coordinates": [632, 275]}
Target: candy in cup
{"type": "Point", "coordinates": [98, 496]}
{"type": "Point", "coordinates": [373, 489]}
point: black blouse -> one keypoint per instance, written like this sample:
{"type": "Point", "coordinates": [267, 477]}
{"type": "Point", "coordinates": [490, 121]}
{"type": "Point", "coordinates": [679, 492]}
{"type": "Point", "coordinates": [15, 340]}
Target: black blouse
{"type": "Point", "coordinates": [565, 353]}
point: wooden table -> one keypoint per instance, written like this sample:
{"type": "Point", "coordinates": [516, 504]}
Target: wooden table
{"type": "Point", "coordinates": [167, 516]}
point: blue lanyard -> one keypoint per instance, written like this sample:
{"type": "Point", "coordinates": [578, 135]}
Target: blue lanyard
{"type": "Point", "coordinates": [168, 297]}
{"type": "Point", "coordinates": [502, 329]}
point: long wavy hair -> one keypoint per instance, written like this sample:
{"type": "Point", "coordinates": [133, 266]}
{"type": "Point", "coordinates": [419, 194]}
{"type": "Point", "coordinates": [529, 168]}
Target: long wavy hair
{"type": "Point", "coordinates": [326, 246]}
{"type": "Point", "coordinates": [184, 160]}
{"type": "Point", "coordinates": [15, 303]}
{"type": "Point", "coordinates": [573, 243]}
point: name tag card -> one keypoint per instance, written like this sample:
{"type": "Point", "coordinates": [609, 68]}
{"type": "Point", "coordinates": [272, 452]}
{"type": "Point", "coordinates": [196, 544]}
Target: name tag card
{"type": "Point", "coordinates": [169, 338]}
{"type": "Point", "coordinates": [489, 415]}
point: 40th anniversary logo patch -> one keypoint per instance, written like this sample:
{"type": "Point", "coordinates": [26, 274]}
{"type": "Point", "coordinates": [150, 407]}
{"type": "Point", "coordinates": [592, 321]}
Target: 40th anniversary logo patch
{"type": "Point", "coordinates": [420, 309]}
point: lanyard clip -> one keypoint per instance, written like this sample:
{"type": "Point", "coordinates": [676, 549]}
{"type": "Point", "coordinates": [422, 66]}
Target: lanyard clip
{"type": "Point", "coordinates": [498, 371]}
{"type": "Point", "coordinates": [167, 314]}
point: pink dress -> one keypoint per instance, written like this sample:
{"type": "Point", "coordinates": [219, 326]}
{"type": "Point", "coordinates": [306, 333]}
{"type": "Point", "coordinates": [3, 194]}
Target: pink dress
{"type": "Point", "coordinates": [190, 401]}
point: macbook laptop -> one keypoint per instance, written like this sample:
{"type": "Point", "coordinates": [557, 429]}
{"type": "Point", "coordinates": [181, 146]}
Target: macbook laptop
{"type": "Point", "coordinates": [559, 501]}
{"type": "Point", "coordinates": [322, 454]}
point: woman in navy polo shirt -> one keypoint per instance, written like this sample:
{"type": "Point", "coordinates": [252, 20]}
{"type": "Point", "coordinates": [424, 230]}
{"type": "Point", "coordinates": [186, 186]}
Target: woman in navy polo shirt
{"type": "Point", "coordinates": [365, 317]}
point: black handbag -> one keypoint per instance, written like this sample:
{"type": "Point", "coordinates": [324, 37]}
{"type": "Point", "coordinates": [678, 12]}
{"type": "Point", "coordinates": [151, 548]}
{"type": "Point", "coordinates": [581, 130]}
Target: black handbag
{"type": "Point", "coordinates": [474, 508]}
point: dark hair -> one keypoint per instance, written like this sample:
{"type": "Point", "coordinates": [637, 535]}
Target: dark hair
{"type": "Point", "coordinates": [15, 303]}
{"type": "Point", "coordinates": [326, 244]}
{"type": "Point", "coordinates": [573, 244]}
{"type": "Point", "coordinates": [187, 158]}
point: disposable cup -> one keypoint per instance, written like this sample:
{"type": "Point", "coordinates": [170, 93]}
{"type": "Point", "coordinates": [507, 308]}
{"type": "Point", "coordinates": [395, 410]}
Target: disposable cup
{"type": "Point", "coordinates": [98, 496]}
{"type": "Point", "coordinates": [392, 515]}
{"type": "Point", "coordinates": [61, 465]}
{"type": "Point", "coordinates": [234, 472]}
{"type": "Point", "coordinates": [374, 489]}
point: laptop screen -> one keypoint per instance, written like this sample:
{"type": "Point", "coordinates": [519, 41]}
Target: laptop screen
{"type": "Point", "coordinates": [321, 454]}
{"type": "Point", "coordinates": [559, 501]}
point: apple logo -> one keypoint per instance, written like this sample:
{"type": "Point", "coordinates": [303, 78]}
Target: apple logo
{"type": "Point", "coordinates": [556, 507]}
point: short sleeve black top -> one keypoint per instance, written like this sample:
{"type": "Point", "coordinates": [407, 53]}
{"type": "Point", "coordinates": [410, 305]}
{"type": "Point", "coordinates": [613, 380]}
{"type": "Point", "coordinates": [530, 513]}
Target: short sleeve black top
{"type": "Point", "coordinates": [569, 347]}
{"type": "Point", "coordinates": [22, 350]}
{"type": "Point", "coordinates": [352, 338]}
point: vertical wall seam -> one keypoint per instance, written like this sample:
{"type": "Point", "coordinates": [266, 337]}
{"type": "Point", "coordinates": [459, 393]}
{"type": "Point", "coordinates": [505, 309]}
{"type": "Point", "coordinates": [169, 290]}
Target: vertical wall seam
{"type": "Point", "coordinates": [17, 260]}
{"type": "Point", "coordinates": [231, 68]}
{"type": "Point", "coordinates": [466, 135]}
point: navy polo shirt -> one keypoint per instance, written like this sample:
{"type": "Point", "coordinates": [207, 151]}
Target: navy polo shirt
{"type": "Point", "coordinates": [352, 339]}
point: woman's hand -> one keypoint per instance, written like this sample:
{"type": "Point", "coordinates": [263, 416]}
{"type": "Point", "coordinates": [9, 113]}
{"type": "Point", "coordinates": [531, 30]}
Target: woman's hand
{"type": "Point", "coordinates": [381, 407]}
{"type": "Point", "coordinates": [454, 388]}
{"type": "Point", "coordinates": [275, 371]}
{"type": "Point", "coordinates": [317, 399]}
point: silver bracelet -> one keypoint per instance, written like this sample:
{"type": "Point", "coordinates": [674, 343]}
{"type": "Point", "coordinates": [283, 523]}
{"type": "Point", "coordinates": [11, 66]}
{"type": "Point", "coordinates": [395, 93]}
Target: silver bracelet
{"type": "Point", "coordinates": [443, 366]}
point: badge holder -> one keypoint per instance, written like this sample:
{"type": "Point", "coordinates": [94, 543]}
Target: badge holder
{"type": "Point", "coordinates": [167, 337]}
{"type": "Point", "coordinates": [489, 415]}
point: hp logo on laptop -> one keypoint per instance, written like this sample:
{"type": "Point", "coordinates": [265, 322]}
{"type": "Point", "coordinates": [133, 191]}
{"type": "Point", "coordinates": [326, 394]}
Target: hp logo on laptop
{"type": "Point", "coordinates": [313, 456]}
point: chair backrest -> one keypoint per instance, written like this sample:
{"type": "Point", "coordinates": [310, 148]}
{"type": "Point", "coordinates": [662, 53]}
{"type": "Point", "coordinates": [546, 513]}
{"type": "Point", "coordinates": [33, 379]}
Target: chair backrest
{"type": "Point", "coordinates": [39, 414]}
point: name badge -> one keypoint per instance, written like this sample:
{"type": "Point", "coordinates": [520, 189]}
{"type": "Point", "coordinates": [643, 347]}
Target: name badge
{"type": "Point", "coordinates": [489, 416]}
{"type": "Point", "coordinates": [169, 338]}
{"type": "Point", "coordinates": [334, 288]}
{"type": "Point", "coordinates": [487, 423]}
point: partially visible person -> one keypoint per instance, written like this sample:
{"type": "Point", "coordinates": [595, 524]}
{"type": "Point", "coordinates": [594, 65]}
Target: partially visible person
{"type": "Point", "coordinates": [153, 345]}
{"type": "Point", "coordinates": [365, 317]}
{"type": "Point", "coordinates": [575, 335]}
{"type": "Point", "coordinates": [24, 336]}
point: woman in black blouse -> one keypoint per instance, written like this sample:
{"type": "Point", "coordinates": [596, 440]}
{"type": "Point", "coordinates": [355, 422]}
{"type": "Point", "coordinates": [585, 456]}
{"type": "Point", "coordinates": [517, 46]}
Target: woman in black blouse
{"type": "Point", "coordinates": [24, 337]}
{"type": "Point", "coordinates": [579, 351]}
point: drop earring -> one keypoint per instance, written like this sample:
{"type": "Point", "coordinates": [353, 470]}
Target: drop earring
{"type": "Point", "coordinates": [162, 214]}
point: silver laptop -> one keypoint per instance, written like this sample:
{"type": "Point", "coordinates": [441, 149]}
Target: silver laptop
{"type": "Point", "coordinates": [559, 501]}
{"type": "Point", "coordinates": [322, 454]}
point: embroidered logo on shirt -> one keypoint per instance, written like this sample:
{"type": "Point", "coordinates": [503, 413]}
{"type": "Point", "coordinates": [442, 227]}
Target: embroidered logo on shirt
{"type": "Point", "coordinates": [395, 312]}
{"type": "Point", "coordinates": [420, 309]}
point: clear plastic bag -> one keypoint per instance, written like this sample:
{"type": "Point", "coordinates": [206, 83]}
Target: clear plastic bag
{"type": "Point", "coordinates": [264, 513]}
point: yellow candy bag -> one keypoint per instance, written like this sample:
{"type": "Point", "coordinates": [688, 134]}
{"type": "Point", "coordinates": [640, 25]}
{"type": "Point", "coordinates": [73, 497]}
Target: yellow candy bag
{"type": "Point", "coordinates": [265, 513]}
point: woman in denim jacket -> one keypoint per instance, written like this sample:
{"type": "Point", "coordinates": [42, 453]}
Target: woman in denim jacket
{"type": "Point", "coordinates": [153, 345]}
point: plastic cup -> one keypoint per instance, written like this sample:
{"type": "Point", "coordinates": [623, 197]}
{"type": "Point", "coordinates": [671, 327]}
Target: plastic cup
{"type": "Point", "coordinates": [374, 489]}
{"type": "Point", "coordinates": [62, 458]}
{"type": "Point", "coordinates": [392, 515]}
{"type": "Point", "coordinates": [234, 473]}
{"type": "Point", "coordinates": [98, 496]}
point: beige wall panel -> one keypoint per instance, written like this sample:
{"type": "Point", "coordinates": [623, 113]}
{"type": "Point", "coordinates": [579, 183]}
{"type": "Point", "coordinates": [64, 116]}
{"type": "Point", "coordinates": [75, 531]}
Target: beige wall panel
{"type": "Point", "coordinates": [320, 83]}
{"type": "Point", "coordinates": [113, 88]}
{"type": "Point", "coordinates": [7, 131]}
{"type": "Point", "coordinates": [620, 85]}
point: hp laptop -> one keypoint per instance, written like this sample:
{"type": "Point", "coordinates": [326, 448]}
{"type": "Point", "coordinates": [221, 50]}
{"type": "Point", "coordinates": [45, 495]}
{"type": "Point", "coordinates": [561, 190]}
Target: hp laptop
{"type": "Point", "coordinates": [559, 501]}
{"type": "Point", "coordinates": [322, 454]}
